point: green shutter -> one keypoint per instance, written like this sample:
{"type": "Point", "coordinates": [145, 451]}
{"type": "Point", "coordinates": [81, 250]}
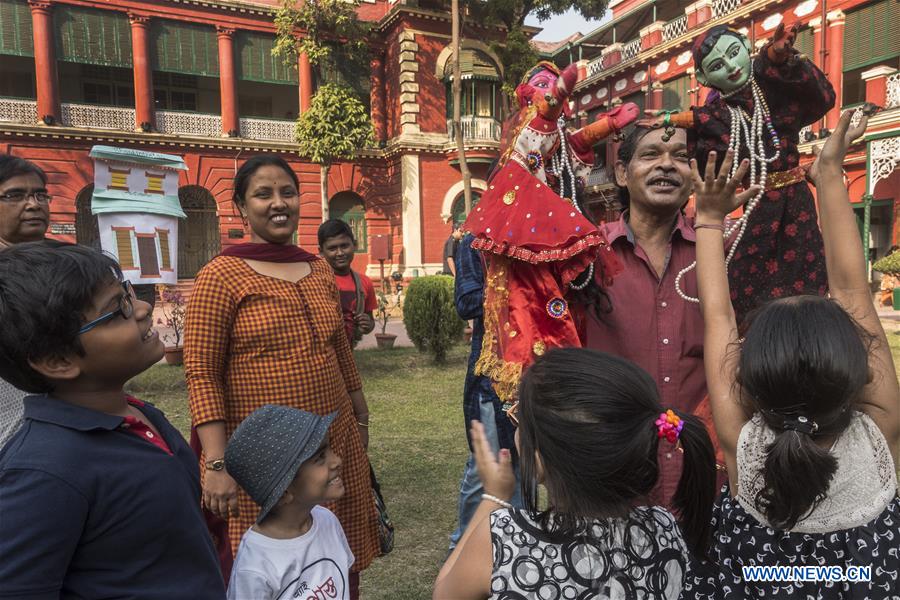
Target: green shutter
{"type": "Point", "coordinates": [94, 37]}
{"type": "Point", "coordinates": [804, 43]}
{"type": "Point", "coordinates": [473, 64]}
{"type": "Point", "coordinates": [870, 35]}
{"type": "Point", "coordinates": [257, 62]}
{"type": "Point", "coordinates": [15, 28]}
{"type": "Point", "coordinates": [676, 93]}
{"type": "Point", "coordinates": [184, 48]}
{"type": "Point", "coordinates": [342, 70]}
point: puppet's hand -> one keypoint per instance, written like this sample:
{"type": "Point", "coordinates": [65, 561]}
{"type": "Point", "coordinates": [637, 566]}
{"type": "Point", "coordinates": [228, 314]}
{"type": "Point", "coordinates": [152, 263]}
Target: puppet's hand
{"type": "Point", "coordinates": [550, 102]}
{"type": "Point", "coordinates": [609, 123]}
{"type": "Point", "coordinates": [782, 44]}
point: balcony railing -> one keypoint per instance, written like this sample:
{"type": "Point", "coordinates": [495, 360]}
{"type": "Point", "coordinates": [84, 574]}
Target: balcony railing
{"type": "Point", "coordinates": [268, 129]}
{"type": "Point", "coordinates": [14, 110]}
{"type": "Point", "coordinates": [96, 116]}
{"type": "Point", "coordinates": [720, 8]}
{"type": "Point", "coordinates": [189, 123]}
{"type": "Point", "coordinates": [476, 128]}
{"type": "Point", "coordinates": [675, 28]}
{"type": "Point", "coordinates": [598, 176]}
{"type": "Point", "coordinates": [631, 49]}
{"type": "Point", "coordinates": [893, 91]}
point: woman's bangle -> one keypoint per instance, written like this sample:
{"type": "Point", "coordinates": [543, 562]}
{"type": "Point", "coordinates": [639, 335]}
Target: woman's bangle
{"type": "Point", "coordinates": [716, 226]}
{"type": "Point", "coordinates": [497, 500]}
{"type": "Point", "coordinates": [361, 424]}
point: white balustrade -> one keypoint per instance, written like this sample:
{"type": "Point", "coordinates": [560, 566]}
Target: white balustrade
{"type": "Point", "coordinates": [720, 8]}
{"type": "Point", "coordinates": [274, 130]}
{"type": "Point", "coordinates": [803, 132]}
{"type": "Point", "coordinates": [598, 176]}
{"type": "Point", "coordinates": [476, 128]}
{"type": "Point", "coordinates": [595, 66]}
{"type": "Point", "coordinates": [14, 110]}
{"type": "Point", "coordinates": [893, 91]}
{"type": "Point", "coordinates": [189, 123]}
{"type": "Point", "coordinates": [631, 49]}
{"type": "Point", "coordinates": [675, 28]}
{"type": "Point", "coordinates": [96, 116]}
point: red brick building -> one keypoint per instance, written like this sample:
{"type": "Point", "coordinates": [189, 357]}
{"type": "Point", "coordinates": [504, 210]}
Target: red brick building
{"type": "Point", "coordinates": [643, 55]}
{"type": "Point", "coordinates": [196, 78]}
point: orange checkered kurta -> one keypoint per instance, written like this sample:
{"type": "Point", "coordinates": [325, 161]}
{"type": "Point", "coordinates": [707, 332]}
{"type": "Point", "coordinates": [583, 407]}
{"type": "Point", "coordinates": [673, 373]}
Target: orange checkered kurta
{"type": "Point", "coordinates": [252, 340]}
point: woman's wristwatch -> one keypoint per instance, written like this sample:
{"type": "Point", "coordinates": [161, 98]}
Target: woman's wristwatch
{"type": "Point", "coordinates": [217, 464]}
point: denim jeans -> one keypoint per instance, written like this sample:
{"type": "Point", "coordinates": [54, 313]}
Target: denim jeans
{"type": "Point", "coordinates": [470, 488]}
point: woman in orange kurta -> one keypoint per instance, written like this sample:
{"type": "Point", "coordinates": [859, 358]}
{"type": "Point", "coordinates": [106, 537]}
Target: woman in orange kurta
{"type": "Point", "coordinates": [264, 327]}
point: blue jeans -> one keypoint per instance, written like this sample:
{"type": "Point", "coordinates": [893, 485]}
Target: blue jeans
{"type": "Point", "coordinates": [470, 488]}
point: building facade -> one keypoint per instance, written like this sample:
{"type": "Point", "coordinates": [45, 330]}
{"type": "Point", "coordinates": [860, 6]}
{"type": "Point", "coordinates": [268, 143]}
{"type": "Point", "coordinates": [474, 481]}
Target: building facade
{"type": "Point", "coordinates": [196, 78]}
{"type": "Point", "coordinates": [643, 55]}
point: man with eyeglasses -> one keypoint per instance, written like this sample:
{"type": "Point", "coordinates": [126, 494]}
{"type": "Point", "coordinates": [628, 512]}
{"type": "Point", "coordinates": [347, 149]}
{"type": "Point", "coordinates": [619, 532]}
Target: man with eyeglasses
{"type": "Point", "coordinates": [24, 217]}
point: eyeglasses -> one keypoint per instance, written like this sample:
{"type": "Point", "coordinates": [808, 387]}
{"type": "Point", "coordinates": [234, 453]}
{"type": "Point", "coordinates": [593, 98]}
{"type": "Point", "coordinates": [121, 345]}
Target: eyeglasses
{"type": "Point", "coordinates": [126, 309]}
{"type": "Point", "coordinates": [19, 197]}
{"type": "Point", "coordinates": [512, 413]}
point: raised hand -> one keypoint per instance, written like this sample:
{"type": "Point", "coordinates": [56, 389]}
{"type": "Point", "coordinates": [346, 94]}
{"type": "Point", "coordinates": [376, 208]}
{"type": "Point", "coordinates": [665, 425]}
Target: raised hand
{"type": "Point", "coordinates": [830, 159]}
{"type": "Point", "coordinates": [715, 193]}
{"type": "Point", "coordinates": [495, 472]}
{"type": "Point", "coordinates": [782, 43]}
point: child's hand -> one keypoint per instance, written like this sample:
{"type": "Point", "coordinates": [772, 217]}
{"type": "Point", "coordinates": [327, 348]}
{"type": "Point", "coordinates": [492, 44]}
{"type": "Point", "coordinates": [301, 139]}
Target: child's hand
{"type": "Point", "coordinates": [496, 473]}
{"type": "Point", "coordinates": [714, 194]}
{"type": "Point", "coordinates": [830, 159]}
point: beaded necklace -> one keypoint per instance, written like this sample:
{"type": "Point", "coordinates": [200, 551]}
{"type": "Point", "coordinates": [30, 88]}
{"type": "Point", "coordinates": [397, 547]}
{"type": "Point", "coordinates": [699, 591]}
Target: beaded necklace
{"type": "Point", "coordinates": [752, 129]}
{"type": "Point", "coordinates": [561, 165]}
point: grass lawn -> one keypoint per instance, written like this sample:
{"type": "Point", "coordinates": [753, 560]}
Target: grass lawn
{"type": "Point", "coordinates": [417, 447]}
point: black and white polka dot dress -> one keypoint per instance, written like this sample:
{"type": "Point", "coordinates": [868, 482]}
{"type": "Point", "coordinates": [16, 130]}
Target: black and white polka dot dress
{"type": "Point", "coordinates": [856, 525]}
{"type": "Point", "coordinates": [640, 557]}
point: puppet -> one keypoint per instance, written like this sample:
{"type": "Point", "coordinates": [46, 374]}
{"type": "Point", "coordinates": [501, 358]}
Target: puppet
{"type": "Point", "coordinates": [757, 107]}
{"type": "Point", "coordinates": [537, 244]}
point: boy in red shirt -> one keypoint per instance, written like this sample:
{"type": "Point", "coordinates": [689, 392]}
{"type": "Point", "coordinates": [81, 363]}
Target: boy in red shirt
{"type": "Point", "coordinates": [337, 246]}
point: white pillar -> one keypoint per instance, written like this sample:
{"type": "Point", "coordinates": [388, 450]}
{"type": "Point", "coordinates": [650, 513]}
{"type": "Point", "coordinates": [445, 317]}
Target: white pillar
{"type": "Point", "coordinates": [412, 214]}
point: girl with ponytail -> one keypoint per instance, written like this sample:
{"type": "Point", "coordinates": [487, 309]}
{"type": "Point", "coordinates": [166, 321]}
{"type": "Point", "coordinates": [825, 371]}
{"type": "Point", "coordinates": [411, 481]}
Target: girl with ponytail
{"type": "Point", "coordinates": [806, 408]}
{"type": "Point", "coordinates": [589, 427]}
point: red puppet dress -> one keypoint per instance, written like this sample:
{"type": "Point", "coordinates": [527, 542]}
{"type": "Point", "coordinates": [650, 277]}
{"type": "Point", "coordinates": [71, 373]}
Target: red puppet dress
{"type": "Point", "coordinates": [535, 242]}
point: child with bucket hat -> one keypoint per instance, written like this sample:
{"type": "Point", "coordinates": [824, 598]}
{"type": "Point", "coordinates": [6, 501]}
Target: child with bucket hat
{"type": "Point", "coordinates": [281, 457]}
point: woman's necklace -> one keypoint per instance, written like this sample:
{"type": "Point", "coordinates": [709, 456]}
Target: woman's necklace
{"type": "Point", "coordinates": [752, 129]}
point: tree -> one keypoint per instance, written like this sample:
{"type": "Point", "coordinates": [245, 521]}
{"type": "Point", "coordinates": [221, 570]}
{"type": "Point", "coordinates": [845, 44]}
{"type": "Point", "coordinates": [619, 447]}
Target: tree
{"type": "Point", "coordinates": [336, 127]}
{"type": "Point", "coordinates": [456, 25]}
{"type": "Point", "coordinates": [329, 27]}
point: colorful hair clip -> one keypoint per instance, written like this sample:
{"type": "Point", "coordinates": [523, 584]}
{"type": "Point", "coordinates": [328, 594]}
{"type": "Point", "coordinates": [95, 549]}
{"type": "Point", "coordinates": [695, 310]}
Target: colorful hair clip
{"type": "Point", "coordinates": [669, 426]}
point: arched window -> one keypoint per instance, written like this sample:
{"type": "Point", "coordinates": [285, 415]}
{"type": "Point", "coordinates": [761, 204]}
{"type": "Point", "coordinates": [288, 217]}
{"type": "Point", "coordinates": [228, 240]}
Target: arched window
{"type": "Point", "coordinates": [87, 231]}
{"type": "Point", "coordinates": [350, 208]}
{"type": "Point", "coordinates": [198, 235]}
{"type": "Point", "coordinates": [458, 212]}
{"type": "Point", "coordinates": [480, 85]}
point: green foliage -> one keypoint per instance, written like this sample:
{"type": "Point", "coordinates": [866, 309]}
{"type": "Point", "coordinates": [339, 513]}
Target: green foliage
{"type": "Point", "coordinates": [890, 264]}
{"type": "Point", "coordinates": [329, 27]}
{"type": "Point", "coordinates": [517, 56]}
{"type": "Point", "coordinates": [336, 126]}
{"type": "Point", "coordinates": [429, 315]}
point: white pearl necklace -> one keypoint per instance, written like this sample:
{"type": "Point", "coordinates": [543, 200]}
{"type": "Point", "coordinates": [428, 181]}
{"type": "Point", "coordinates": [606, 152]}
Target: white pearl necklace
{"type": "Point", "coordinates": [752, 128]}
{"type": "Point", "coordinates": [561, 165]}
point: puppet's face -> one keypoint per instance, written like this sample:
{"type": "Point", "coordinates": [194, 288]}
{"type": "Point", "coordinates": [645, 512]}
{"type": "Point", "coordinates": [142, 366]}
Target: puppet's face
{"type": "Point", "coordinates": [727, 66]}
{"type": "Point", "coordinates": [543, 80]}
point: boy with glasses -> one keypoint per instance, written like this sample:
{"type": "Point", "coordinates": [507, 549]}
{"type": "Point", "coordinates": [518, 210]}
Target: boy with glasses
{"type": "Point", "coordinates": [99, 493]}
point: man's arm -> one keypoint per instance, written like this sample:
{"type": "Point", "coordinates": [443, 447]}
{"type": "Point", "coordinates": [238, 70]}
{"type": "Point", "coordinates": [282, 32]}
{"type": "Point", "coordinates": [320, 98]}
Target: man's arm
{"type": "Point", "coordinates": [469, 284]}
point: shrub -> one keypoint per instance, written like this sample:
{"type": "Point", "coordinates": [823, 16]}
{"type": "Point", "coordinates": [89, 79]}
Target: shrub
{"type": "Point", "coordinates": [429, 315]}
{"type": "Point", "coordinates": [889, 265]}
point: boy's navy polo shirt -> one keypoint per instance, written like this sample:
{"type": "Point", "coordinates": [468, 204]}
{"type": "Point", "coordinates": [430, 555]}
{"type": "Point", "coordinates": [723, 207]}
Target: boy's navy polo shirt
{"type": "Point", "coordinates": [89, 510]}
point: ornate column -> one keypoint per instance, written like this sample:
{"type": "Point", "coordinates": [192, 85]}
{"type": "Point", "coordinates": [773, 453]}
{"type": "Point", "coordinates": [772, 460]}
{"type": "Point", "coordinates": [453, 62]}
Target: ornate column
{"type": "Point", "coordinates": [227, 82]}
{"type": "Point", "coordinates": [305, 80]}
{"type": "Point", "coordinates": [376, 96]}
{"type": "Point", "coordinates": [655, 97]}
{"type": "Point", "coordinates": [144, 115]}
{"type": "Point", "coordinates": [46, 77]}
{"type": "Point", "coordinates": [835, 63]}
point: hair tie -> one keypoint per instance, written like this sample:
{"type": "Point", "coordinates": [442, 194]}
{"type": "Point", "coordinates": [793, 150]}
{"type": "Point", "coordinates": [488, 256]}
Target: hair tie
{"type": "Point", "coordinates": [669, 426]}
{"type": "Point", "coordinates": [800, 424]}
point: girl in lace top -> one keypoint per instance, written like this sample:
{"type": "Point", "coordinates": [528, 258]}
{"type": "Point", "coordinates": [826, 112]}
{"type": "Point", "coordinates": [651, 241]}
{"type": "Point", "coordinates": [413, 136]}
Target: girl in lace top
{"type": "Point", "coordinates": [588, 428]}
{"type": "Point", "coordinates": [807, 411]}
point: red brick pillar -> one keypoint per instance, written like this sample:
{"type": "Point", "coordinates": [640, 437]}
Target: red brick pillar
{"type": "Point", "coordinates": [47, 80]}
{"type": "Point", "coordinates": [227, 82]}
{"type": "Point", "coordinates": [835, 63]}
{"type": "Point", "coordinates": [376, 97]}
{"type": "Point", "coordinates": [876, 83]}
{"type": "Point", "coordinates": [143, 73]}
{"type": "Point", "coordinates": [305, 80]}
{"type": "Point", "coordinates": [817, 58]}
{"type": "Point", "coordinates": [655, 97]}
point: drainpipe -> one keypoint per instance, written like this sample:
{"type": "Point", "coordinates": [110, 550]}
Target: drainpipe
{"type": "Point", "coordinates": [823, 53]}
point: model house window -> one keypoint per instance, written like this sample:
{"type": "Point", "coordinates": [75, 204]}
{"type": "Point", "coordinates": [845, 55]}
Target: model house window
{"type": "Point", "coordinates": [163, 237]}
{"type": "Point", "coordinates": [154, 183]}
{"type": "Point", "coordinates": [146, 244]}
{"type": "Point", "coordinates": [118, 179]}
{"type": "Point", "coordinates": [123, 248]}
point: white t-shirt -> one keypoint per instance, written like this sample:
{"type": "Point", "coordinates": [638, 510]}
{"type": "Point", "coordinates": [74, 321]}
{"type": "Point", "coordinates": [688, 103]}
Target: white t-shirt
{"type": "Point", "coordinates": [314, 565]}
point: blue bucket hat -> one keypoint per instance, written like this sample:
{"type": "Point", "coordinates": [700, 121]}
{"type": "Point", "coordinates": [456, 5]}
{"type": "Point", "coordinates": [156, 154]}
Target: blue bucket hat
{"type": "Point", "coordinates": [266, 451]}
